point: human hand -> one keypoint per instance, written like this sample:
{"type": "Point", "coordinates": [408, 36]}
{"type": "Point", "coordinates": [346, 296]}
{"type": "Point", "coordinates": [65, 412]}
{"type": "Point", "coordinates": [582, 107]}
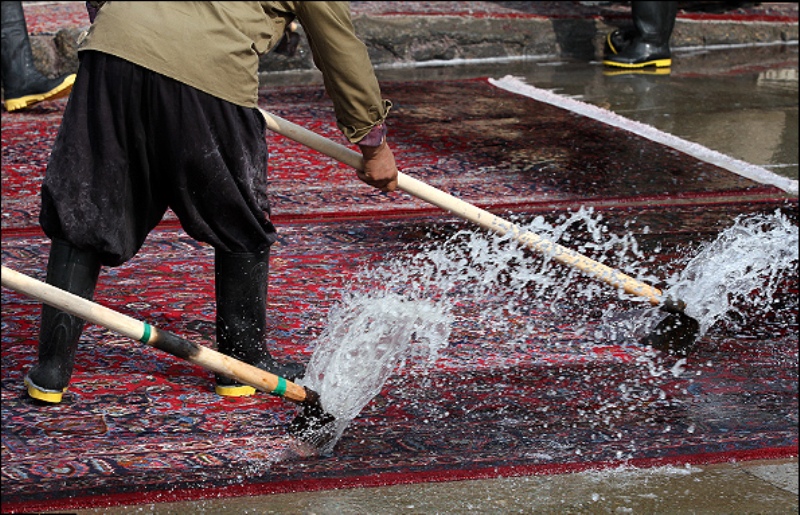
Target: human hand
{"type": "Point", "coordinates": [380, 169]}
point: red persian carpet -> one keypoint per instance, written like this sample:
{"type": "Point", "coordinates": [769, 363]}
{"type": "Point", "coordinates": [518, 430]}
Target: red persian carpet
{"type": "Point", "coordinates": [542, 389]}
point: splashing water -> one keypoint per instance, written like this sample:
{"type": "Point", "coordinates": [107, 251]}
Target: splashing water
{"type": "Point", "coordinates": [367, 337]}
{"type": "Point", "coordinates": [742, 267]}
{"type": "Point", "coordinates": [404, 312]}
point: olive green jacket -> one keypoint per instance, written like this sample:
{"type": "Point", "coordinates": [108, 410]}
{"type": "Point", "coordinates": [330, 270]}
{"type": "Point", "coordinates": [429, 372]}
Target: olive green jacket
{"type": "Point", "coordinates": [215, 47]}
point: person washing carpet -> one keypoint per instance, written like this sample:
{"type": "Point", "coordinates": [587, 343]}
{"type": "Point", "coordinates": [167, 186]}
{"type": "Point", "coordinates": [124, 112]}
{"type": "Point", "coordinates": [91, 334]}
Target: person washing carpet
{"type": "Point", "coordinates": [164, 114]}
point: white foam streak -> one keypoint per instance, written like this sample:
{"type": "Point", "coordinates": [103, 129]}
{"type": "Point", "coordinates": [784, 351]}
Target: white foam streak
{"type": "Point", "coordinates": [756, 173]}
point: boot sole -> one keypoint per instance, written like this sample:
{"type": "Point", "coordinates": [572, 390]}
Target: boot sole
{"type": "Point", "coordinates": [658, 63]}
{"type": "Point", "coordinates": [62, 90]}
{"type": "Point", "coordinates": [43, 394]}
{"type": "Point", "coordinates": [234, 390]}
{"type": "Point", "coordinates": [637, 71]}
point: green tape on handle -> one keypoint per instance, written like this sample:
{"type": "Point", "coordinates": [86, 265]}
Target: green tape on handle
{"type": "Point", "coordinates": [280, 390]}
{"type": "Point", "coordinates": [146, 336]}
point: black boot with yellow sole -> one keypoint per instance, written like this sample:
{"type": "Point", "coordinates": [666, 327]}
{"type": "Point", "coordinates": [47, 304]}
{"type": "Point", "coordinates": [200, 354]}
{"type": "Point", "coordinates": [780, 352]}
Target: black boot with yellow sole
{"type": "Point", "coordinates": [241, 295]}
{"type": "Point", "coordinates": [75, 271]}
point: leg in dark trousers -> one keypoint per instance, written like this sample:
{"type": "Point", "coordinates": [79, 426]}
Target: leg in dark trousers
{"type": "Point", "coordinates": [146, 142]}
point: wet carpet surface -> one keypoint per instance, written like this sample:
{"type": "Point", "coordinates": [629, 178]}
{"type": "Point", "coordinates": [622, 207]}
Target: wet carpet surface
{"type": "Point", "coordinates": [541, 393]}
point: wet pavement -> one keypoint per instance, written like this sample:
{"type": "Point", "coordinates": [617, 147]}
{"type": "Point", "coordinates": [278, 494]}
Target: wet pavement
{"type": "Point", "coordinates": [750, 487]}
{"type": "Point", "coordinates": [741, 101]}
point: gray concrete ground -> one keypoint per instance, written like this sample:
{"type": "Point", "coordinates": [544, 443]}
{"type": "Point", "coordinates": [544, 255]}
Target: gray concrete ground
{"type": "Point", "coordinates": [720, 98]}
{"type": "Point", "coordinates": [740, 100]}
{"type": "Point", "coordinates": [746, 488]}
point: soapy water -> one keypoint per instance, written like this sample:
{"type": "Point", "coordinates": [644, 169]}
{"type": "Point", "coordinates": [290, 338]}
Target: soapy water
{"type": "Point", "coordinates": [402, 314]}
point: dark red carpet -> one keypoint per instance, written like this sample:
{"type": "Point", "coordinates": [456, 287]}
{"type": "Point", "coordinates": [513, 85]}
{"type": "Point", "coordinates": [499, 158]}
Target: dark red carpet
{"type": "Point", "coordinates": [141, 426]}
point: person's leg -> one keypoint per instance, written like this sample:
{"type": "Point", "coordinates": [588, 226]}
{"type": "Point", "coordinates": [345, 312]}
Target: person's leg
{"type": "Point", "coordinates": [23, 84]}
{"type": "Point", "coordinates": [219, 192]}
{"type": "Point", "coordinates": [75, 271]}
{"type": "Point", "coordinates": [241, 293]}
{"type": "Point", "coordinates": [100, 190]}
{"type": "Point", "coordinates": [96, 208]}
{"type": "Point", "coordinates": [648, 44]}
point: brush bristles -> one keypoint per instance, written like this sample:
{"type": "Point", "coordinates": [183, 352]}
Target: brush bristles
{"type": "Point", "coordinates": [675, 335]}
{"type": "Point", "coordinates": [314, 425]}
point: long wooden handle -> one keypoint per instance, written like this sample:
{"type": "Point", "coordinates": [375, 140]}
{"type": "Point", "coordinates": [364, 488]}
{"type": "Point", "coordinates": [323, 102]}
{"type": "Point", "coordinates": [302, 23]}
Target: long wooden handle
{"type": "Point", "coordinates": [469, 212]}
{"type": "Point", "coordinates": [162, 340]}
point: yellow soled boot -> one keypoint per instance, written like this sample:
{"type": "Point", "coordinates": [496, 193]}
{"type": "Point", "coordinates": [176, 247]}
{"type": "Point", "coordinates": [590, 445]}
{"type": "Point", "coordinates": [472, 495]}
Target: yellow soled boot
{"type": "Point", "coordinates": [75, 271]}
{"type": "Point", "coordinates": [647, 44]}
{"type": "Point", "coordinates": [61, 87]}
{"type": "Point", "coordinates": [23, 84]}
{"type": "Point", "coordinates": [240, 281]}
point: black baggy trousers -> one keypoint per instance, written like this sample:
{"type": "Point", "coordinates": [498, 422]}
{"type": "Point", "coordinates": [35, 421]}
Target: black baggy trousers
{"type": "Point", "coordinates": [134, 143]}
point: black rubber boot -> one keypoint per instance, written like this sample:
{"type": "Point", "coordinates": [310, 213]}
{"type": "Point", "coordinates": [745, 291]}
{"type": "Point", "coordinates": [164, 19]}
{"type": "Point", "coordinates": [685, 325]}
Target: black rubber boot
{"type": "Point", "coordinates": [241, 293]}
{"type": "Point", "coordinates": [653, 23]}
{"type": "Point", "coordinates": [75, 271]}
{"type": "Point", "coordinates": [23, 84]}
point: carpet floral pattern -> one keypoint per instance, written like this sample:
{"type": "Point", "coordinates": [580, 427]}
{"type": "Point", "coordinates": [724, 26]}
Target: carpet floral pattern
{"type": "Point", "coordinates": [545, 392]}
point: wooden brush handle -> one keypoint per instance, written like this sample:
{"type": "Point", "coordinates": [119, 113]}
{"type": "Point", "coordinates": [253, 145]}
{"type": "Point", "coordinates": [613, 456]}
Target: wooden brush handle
{"type": "Point", "coordinates": [470, 212]}
{"type": "Point", "coordinates": [150, 335]}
